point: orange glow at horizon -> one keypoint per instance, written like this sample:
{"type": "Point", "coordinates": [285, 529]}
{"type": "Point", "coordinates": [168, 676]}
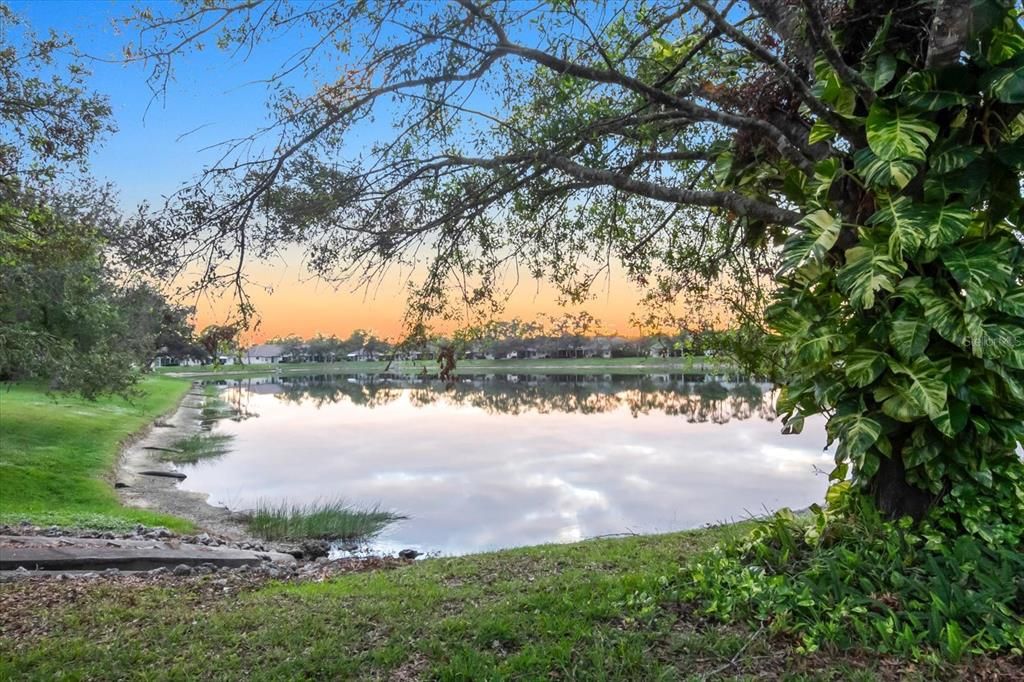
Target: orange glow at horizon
{"type": "Point", "coordinates": [299, 304]}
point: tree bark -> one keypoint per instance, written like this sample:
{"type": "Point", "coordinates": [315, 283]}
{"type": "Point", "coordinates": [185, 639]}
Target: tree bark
{"type": "Point", "coordinates": [894, 496]}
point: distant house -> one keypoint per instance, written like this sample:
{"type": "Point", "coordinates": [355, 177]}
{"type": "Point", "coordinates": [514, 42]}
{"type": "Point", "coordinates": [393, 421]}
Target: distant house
{"type": "Point", "coordinates": [361, 355]}
{"type": "Point", "coordinates": [524, 354]}
{"type": "Point", "coordinates": [264, 354]}
{"type": "Point", "coordinates": [171, 361]}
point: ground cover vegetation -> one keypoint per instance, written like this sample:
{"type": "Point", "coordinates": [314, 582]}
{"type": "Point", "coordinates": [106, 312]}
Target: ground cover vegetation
{"type": "Point", "coordinates": [843, 177]}
{"type": "Point", "coordinates": [589, 610]}
{"type": "Point", "coordinates": [58, 452]}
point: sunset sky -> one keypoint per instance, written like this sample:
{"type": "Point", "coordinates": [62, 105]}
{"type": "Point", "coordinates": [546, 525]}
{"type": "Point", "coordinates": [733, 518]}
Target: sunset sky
{"type": "Point", "coordinates": [161, 144]}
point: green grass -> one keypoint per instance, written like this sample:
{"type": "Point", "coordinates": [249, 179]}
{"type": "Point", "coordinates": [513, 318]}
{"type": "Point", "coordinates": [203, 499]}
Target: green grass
{"type": "Point", "coordinates": [198, 447]}
{"type": "Point", "coordinates": [58, 453]}
{"type": "Point", "coordinates": [322, 520]}
{"type": "Point", "coordinates": [541, 366]}
{"type": "Point", "coordinates": [588, 611]}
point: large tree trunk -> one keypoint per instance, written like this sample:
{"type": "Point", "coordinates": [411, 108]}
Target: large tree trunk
{"type": "Point", "coordinates": [894, 496]}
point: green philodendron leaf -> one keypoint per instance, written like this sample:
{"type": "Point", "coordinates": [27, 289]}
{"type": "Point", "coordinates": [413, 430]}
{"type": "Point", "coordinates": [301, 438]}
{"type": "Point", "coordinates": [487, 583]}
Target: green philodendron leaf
{"type": "Point", "coordinates": [1005, 84]}
{"type": "Point", "coordinates": [896, 402]}
{"type": "Point", "coordinates": [787, 321]}
{"type": "Point", "coordinates": [881, 173]}
{"type": "Point", "coordinates": [1012, 302]}
{"type": "Point", "coordinates": [882, 72]}
{"type": "Point", "coordinates": [825, 173]}
{"type": "Point", "coordinates": [920, 454]}
{"type": "Point", "coordinates": [816, 349]}
{"type": "Point", "coordinates": [991, 339]}
{"type": "Point", "coordinates": [920, 90]}
{"type": "Point", "coordinates": [922, 384]}
{"type": "Point", "coordinates": [857, 433]}
{"type": "Point", "coordinates": [983, 269]}
{"type": "Point", "coordinates": [820, 132]}
{"type": "Point", "coordinates": [864, 366]}
{"type": "Point", "coordinates": [952, 420]}
{"type": "Point", "coordinates": [811, 245]}
{"type": "Point", "coordinates": [953, 158]}
{"type": "Point", "coordinates": [945, 316]}
{"type": "Point", "coordinates": [793, 424]}
{"type": "Point", "coordinates": [945, 224]}
{"type": "Point", "coordinates": [897, 134]}
{"type": "Point", "coordinates": [900, 216]}
{"type": "Point", "coordinates": [910, 337]}
{"type": "Point", "coordinates": [1007, 42]}
{"type": "Point", "coordinates": [867, 271]}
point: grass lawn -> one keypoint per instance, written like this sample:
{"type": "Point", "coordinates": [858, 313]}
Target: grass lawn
{"type": "Point", "coordinates": [593, 610]}
{"type": "Point", "coordinates": [539, 366]}
{"type": "Point", "coordinates": [57, 454]}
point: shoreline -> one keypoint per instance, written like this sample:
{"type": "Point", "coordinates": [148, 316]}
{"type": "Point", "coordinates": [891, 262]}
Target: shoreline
{"type": "Point", "coordinates": [161, 492]}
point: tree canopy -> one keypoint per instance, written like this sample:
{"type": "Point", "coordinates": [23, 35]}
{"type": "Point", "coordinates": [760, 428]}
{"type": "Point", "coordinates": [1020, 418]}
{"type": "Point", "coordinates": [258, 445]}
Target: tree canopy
{"type": "Point", "coordinates": [73, 312]}
{"type": "Point", "coordinates": [845, 176]}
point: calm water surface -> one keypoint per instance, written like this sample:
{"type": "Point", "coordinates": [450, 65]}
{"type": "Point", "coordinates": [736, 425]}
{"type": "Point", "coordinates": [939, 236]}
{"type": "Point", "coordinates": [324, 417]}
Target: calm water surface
{"type": "Point", "coordinates": [503, 461]}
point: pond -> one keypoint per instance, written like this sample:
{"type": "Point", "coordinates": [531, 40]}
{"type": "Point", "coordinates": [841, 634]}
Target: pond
{"type": "Point", "coordinates": [495, 461]}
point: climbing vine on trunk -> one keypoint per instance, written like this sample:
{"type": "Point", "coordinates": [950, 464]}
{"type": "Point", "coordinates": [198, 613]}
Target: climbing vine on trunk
{"type": "Point", "coordinates": [901, 308]}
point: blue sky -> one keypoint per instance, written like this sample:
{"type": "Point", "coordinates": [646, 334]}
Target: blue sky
{"type": "Point", "coordinates": [212, 95]}
{"type": "Point", "coordinates": [215, 97]}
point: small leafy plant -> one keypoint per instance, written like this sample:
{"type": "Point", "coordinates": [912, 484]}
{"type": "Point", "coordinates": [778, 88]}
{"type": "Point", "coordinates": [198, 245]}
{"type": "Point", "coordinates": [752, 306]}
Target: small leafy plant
{"type": "Point", "coordinates": [848, 578]}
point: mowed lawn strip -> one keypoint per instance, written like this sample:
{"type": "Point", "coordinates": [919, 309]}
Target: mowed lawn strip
{"type": "Point", "coordinates": [58, 453]}
{"type": "Point", "coordinates": [596, 610]}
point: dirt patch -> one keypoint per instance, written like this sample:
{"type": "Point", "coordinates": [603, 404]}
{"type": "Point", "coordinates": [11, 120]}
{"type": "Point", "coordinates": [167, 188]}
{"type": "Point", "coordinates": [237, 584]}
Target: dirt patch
{"type": "Point", "coordinates": [161, 493]}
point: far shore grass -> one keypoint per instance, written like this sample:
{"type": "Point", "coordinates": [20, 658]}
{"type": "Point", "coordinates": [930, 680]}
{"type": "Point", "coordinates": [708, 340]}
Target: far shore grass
{"type": "Point", "coordinates": [582, 366]}
{"type": "Point", "coordinates": [594, 610]}
{"type": "Point", "coordinates": [58, 454]}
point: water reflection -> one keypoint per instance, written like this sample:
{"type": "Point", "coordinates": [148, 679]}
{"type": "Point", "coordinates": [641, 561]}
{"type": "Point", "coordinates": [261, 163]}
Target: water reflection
{"type": "Point", "coordinates": [698, 399]}
{"type": "Point", "coordinates": [504, 460]}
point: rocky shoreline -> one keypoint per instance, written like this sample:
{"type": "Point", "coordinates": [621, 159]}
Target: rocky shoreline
{"type": "Point", "coordinates": [146, 480]}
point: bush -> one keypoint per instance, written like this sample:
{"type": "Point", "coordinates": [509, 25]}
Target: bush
{"type": "Point", "coordinates": [849, 579]}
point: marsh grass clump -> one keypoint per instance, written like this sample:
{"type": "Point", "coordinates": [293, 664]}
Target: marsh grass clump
{"type": "Point", "coordinates": [198, 447]}
{"type": "Point", "coordinates": [318, 520]}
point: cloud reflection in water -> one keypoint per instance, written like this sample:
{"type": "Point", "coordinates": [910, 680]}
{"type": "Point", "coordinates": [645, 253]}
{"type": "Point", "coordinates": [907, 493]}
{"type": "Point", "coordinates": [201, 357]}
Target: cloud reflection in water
{"type": "Point", "coordinates": [493, 463]}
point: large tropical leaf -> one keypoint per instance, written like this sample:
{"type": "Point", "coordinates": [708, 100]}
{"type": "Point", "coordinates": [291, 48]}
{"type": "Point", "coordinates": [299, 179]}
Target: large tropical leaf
{"type": "Point", "coordinates": [868, 270]}
{"type": "Point", "coordinates": [1006, 84]}
{"type": "Point", "coordinates": [953, 158]}
{"type": "Point", "coordinates": [821, 230]}
{"type": "Point", "coordinates": [819, 345]}
{"type": "Point", "coordinates": [944, 224]}
{"type": "Point", "coordinates": [983, 269]}
{"type": "Point", "coordinates": [944, 314]}
{"type": "Point", "coordinates": [897, 134]}
{"type": "Point", "coordinates": [921, 90]}
{"type": "Point", "coordinates": [881, 172]}
{"type": "Point", "coordinates": [907, 230]}
{"type": "Point", "coordinates": [909, 337]}
{"type": "Point", "coordinates": [864, 365]}
{"type": "Point", "coordinates": [953, 419]}
{"type": "Point", "coordinates": [991, 339]}
{"type": "Point", "coordinates": [1007, 42]}
{"type": "Point", "coordinates": [918, 389]}
{"type": "Point", "coordinates": [1012, 303]}
{"type": "Point", "coordinates": [856, 433]}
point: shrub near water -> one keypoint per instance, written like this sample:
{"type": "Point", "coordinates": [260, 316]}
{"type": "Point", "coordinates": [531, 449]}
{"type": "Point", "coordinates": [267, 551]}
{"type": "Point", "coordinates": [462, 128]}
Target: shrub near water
{"type": "Point", "coordinates": [848, 579]}
{"type": "Point", "coordinates": [321, 520]}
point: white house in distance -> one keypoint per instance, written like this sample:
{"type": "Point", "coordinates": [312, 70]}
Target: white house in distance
{"type": "Point", "coordinates": [264, 354]}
